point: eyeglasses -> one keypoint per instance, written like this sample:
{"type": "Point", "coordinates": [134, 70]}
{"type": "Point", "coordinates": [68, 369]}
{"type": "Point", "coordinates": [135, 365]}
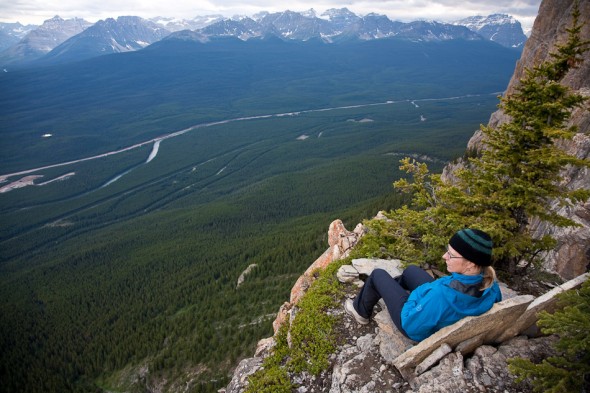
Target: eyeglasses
{"type": "Point", "coordinates": [451, 255]}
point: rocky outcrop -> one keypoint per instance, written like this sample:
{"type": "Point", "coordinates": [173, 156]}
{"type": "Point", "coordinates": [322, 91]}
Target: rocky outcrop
{"type": "Point", "coordinates": [358, 369]}
{"type": "Point", "coordinates": [468, 355]}
{"type": "Point", "coordinates": [341, 242]}
{"type": "Point", "coordinates": [571, 256]}
{"type": "Point", "coordinates": [485, 370]}
{"type": "Point", "coordinates": [244, 274]}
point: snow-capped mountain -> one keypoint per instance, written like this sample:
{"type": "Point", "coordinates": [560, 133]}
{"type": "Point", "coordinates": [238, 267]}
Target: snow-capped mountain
{"type": "Point", "coordinates": [334, 24]}
{"type": "Point", "coordinates": [11, 33]}
{"type": "Point", "coordinates": [500, 28]}
{"type": "Point", "coordinates": [243, 28]}
{"type": "Point", "coordinates": [293, 25]}
{"type": "Point", "coordinates": [131, 33]}
{"type": "Point", "coordinates": [125, 34]}
{"type": "Point", "coordinates": [37, 42]}
{"type": "Point", "coordinates": [196, 23]}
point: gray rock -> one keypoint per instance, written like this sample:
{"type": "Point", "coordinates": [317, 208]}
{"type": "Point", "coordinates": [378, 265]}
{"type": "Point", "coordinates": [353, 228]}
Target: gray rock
{"type": "Point", "coordinates": [239, 381]}
{"type": "Point", "coordinates": [433, 358]}
{"type": "Point", "coordinates": [347, 273]}
{"type": "Point", "coordinates": [493, 323]}
{"type": "Point", "coordinates": [366, 266]}
{"type": "Point", "coordinates": [546, 302]}
{"type": "Point", "coordinates": [391, 341]}
{"type": "Point", "coordinates": [446, 377]}
{"type": "Point", "coordinates": [365, 343]}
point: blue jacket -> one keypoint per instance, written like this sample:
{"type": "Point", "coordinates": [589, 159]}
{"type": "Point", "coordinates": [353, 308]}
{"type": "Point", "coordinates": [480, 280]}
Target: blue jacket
{"type": "Point", "coordinates": [435, 305]}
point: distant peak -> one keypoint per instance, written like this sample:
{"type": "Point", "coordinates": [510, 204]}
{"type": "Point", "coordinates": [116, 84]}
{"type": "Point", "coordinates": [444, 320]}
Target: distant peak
{"type": "Point", "coordinates": [310, 13]}
{"type": "Point", "coordinates": [338, 12]}
{"type": "Point", "coordinates": [56, 19]}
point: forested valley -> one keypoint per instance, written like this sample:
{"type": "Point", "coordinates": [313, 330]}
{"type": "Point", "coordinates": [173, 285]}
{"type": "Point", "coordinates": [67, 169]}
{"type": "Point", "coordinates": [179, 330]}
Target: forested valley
{"type": "Point", "coordinates": [114, 283]}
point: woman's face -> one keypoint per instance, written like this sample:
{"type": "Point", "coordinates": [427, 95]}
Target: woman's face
{"type": "Point", "coordinates": [457, 264]}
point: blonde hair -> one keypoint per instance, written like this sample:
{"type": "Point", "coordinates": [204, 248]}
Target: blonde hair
{"type": "Point", "coordinates": [489, 276]}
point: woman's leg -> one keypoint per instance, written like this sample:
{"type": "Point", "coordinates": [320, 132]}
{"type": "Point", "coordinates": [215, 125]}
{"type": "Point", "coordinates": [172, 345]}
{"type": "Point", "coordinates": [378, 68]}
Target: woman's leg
{"type": "Point", "coordinates": [413, 277]}
{"type": "Point", "coordinates": [381, 285]}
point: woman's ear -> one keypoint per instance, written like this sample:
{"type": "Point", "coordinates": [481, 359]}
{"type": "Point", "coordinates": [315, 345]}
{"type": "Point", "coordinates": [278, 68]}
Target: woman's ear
{"type": "Point", "coordinates": [473, 267]}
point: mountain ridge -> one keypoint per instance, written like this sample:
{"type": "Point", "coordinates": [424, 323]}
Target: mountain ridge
{"type": "Point", "coordinates": [128, 33]}
{"type": "Point", "coordinates": [125, 34]}
{"type": "Point", "coordinates": [38, 42]}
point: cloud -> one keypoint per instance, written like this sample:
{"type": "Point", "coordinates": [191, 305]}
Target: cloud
{"type": "Point", "coordinates": [36, 11]}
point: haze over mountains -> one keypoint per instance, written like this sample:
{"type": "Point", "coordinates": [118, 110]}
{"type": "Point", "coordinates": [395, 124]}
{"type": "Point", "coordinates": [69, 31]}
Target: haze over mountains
{"type": "Point", "coordinates": [62, 41]}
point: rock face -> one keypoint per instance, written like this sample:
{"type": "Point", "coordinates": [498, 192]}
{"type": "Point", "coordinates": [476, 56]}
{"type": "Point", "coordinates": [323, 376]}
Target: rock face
{"type": "Point", "coordinates": [571, 257]}
{"type": "Point", "coordinates": [572, 254]}
{"type": "Point", "coordinates": [341, 241]}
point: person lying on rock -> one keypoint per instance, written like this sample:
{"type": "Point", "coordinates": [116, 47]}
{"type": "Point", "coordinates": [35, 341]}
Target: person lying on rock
{"type": "Point", "coordinates": [419, 305]}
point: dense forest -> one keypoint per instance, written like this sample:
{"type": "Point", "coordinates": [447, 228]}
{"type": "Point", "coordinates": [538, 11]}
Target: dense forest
{"type": "Point", "coordinates": [126, 284]}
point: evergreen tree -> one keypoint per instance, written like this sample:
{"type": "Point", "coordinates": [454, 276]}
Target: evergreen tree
{"type": "Point", "coordinates": [569, 372]}
{"type": "Point", "coordinates": [514, 179]}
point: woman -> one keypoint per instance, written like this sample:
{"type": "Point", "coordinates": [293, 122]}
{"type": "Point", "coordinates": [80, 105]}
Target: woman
{"type": "Point", "coordinates": [420, 305]}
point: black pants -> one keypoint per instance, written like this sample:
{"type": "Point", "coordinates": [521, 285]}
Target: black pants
{"type": "Point", "coordinates": [394, 291]}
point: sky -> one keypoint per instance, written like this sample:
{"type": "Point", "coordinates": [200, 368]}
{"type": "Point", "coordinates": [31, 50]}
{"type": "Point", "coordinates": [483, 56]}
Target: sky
{"type": "Point", "coordinates": [37, 11]}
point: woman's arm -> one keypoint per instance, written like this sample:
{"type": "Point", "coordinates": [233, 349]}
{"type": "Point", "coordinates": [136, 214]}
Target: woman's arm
{"type": "Point", "coordinates": [423, 311]}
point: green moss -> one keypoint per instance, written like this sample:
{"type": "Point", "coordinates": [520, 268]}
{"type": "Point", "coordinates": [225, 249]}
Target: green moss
{"type": "Point", "coordinates": [272, 379]}
{"type": "Point", "coordinates": [312, 336]}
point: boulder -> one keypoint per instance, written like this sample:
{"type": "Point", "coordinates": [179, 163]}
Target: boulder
{"type": "Point", "coordinates": [546, 302]}
{"type": "Point", "coordinates": [392, 342]}
{"type": "Point", "coordinates": [487, 327]}
{"type": "Point", "coordinates": [366, 266]}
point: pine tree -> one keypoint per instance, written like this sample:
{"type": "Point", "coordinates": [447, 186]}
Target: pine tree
{"type": "Point", "coordinates": [516, 177]}
{"type": "Point", "coordinates": [513, 180]}
{"type": "Point", "coordinates": [569, 372]}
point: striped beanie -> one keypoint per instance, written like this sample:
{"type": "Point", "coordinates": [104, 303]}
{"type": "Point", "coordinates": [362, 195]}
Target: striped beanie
{"type": "Point", "coordinates": [474, 245]}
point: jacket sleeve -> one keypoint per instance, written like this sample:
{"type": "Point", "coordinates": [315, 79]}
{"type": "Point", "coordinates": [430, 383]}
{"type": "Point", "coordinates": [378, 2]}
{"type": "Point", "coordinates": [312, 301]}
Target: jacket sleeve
{"type": "Point", "coordinates": [423, 311]}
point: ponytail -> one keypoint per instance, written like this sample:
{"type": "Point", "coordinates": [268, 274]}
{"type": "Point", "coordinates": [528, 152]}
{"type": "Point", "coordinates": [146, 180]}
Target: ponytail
{"type": "Point", "coordinates": [489, 276]}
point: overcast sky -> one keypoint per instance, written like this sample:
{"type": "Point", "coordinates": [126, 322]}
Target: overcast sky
{"type": "Point", "coordinates": [36, 11]}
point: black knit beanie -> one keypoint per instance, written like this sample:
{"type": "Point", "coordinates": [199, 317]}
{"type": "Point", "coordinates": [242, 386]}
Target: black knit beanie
{"type": "Point", "coordinates": [474, 245]}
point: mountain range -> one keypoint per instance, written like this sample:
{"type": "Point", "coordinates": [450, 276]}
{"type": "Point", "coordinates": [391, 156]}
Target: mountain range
{"type": "Point", "coordinates": [62, 41]}
{"type": "Point", "coordinates": [12, 33]}
{"type": "Point", "coordinates": [37, 42]}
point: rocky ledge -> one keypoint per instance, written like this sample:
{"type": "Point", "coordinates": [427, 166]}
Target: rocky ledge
{"type": "Point", "coordinates": [468, 356]}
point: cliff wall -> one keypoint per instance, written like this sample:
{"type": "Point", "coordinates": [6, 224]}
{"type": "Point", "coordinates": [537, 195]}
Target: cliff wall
{"type": "Point", "coordinates": [571, 257]}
